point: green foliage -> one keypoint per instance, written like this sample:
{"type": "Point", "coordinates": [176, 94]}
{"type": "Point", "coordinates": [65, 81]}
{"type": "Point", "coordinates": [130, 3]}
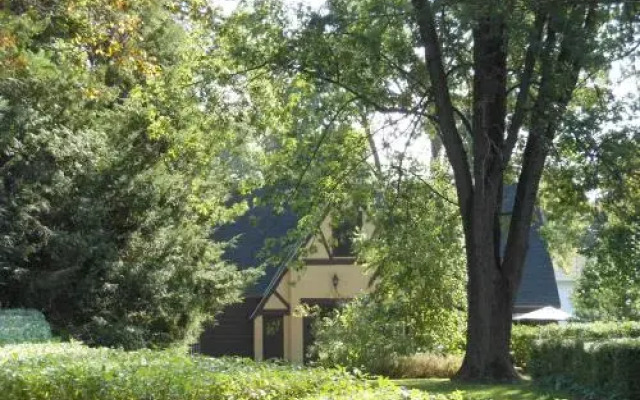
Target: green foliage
{"type": "Point", "coordinates": [377, 337]}
{"type": "Point", "coordinates": [74, 372]}
{"type": "Point", "coordinates": [591, 196]}
{"type": "Point", "coordinates": [417, 258]}
{"type": "Point", "coordinates": [360, 336]}
{"type": "Point", "coordinates": [320, 151]}
{"type": "Point", "coordinates": [523, 337]}
{"type": "Point", "coordinates": [417, 235]}
{"type": "Point", "coordinates": [609, 367]}
{"type": "Point", "coordinates": [114, 169]}
{"type": "Point", "coordinates": [609, 287]}
{"type": "Point", "coordinates": [23, 326]}
{"type": "Point", "coordinates": [357, 72]}
{"type": "Point", "coordinates": [605, 231]}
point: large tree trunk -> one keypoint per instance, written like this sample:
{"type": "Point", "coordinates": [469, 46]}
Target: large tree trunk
{"type": "Point", "coordinates": [490, 301]}
{"type": "Point", "coordinates": [490, 295]}
{"type": "Point", "coordinates": [490, 287]}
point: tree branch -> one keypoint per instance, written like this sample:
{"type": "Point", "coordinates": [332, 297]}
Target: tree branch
{"type": "Point", "coordinates": [376, 106]}
{"type": "Point", "coordinates": [372, 145]}
{"type": "Point", "coordinates": [323, 136]}
{"type": "Point", "coordinates": [429, 186]}
{"type": "Point", "coordinates": [555, 93]}
{"type": "Point", "coordinates": [464, 119]}
{"type": "Point", "coordinates": [444, 106]}
{"type": "Point", "coordinates": [523, 92]}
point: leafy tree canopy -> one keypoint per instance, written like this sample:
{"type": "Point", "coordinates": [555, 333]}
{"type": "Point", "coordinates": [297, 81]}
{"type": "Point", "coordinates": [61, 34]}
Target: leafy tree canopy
{"type": "Point", "coordinates": [502, 85]}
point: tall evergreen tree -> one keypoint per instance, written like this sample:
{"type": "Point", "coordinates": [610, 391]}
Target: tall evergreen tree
{"type": "Point", "coordinates": [114, 169]}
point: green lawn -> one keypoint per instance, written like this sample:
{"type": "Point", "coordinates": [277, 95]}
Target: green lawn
{"type": "Point", "coordinates": [519, 391]}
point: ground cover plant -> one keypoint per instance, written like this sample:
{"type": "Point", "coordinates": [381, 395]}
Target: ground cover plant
{"type": "Point", "coordinates": [23, 326]}
{"type": "Point", "coordinates": [71, 371]}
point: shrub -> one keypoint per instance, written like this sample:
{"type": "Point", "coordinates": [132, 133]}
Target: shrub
{"type": "Point", "coordinates": [426, 365]}
{"type": "Point", "coordinates": [524, 336]}
{"type": "Point", "coordinates": [23, 326]}
{"type": "Point", "coordinates": [362, 335]}
{"type": "Point", "coordinates": [70, 371]}
{"type": "Point", "coordinates": [359, 336]}
{"type": "Point", "coordinates": [610, 368]}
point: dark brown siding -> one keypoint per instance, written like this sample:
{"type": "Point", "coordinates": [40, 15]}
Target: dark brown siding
{"type": "Point", "coordinates": [232, 334]}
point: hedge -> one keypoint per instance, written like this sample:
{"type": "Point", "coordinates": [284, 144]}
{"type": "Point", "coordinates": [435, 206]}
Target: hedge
{"type": "Point", "coordinates": [69, 371]}
{"type": "Point", "coordinates": [609, 368]}
{"type": "Point", "coordinates": [523, 336]}
{"type": "Point", "coordinates": [23, 326]}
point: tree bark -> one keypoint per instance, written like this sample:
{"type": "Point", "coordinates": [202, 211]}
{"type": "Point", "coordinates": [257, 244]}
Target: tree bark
{"type": "Point", "coordinates": [490, 298]}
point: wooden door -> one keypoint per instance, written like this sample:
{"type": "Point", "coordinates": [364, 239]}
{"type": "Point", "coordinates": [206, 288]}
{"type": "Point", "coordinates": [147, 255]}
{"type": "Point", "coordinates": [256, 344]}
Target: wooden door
{"type": "Point", "coordinates": [273, 336]}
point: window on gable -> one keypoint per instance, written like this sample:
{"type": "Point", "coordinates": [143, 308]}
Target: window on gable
{"type": "Point", "coordinates": [342, 235]}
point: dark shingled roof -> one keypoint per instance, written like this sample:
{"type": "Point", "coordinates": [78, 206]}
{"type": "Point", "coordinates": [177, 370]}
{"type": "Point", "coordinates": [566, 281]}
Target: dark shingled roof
{"type": "Point", "coordinates": [537, 289]}
{"type": "Point", "coordinates": [251, 232]}
{"type": "Point", "coordinates": [508, 198]}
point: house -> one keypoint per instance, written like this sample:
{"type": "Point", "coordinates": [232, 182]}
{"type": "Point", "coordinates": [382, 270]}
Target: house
{"type": "Point", "coordinates": [567, 281]}
{"type": "Point", "coordinates": [267, 325]}
{"type": "Point", "coordinates": [538, 287]}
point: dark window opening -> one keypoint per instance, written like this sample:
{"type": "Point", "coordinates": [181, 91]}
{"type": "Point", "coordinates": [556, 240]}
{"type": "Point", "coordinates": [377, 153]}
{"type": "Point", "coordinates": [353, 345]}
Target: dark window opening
{"type": "Point", "coordinates": [322, 308]}
{"type": "Point", "coordinates": [342, 236]}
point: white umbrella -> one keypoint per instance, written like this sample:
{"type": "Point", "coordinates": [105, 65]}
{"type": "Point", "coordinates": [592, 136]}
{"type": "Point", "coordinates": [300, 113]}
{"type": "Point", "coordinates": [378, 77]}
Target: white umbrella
{"type": "Point", "coordinates": [544, 314]}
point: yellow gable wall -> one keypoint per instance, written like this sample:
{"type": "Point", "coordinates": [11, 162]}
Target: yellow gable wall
{"type": "Point", "coordinates": [274, 303]}
{"type": "Point", "coordinates": [316, 249]}
{"type": "Point", "coordinates": [312, 282]}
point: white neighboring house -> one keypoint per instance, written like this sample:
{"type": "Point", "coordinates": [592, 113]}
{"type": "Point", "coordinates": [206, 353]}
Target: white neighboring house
{"type": "Point", "coordinates": [566, 281]}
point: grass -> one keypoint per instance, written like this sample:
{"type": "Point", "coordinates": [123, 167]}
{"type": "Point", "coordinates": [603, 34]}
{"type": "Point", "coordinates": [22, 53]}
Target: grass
{"type": "Point", "coordinates": [525, 390]}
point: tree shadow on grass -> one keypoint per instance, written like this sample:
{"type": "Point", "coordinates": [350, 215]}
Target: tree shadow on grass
{"type": "Point", "coordinates": [525, 390]}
